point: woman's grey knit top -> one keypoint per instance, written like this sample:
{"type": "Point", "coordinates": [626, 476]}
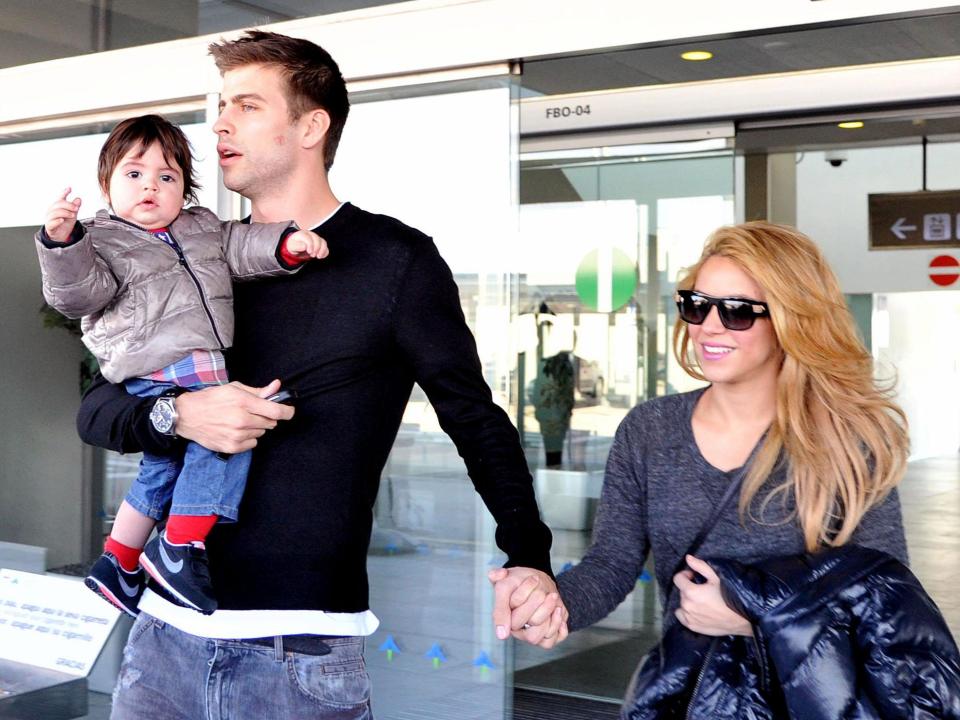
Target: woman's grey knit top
{"type": "Point", "coordinates": [659, 491]}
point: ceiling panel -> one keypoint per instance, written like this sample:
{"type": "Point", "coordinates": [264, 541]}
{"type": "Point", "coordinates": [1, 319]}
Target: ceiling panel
{"type": "Point", "coordinates": [874, 42]}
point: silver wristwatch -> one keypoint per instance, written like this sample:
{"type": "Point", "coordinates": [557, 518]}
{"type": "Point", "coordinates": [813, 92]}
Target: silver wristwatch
{"type": "Point", "coordinates": [163, 416]}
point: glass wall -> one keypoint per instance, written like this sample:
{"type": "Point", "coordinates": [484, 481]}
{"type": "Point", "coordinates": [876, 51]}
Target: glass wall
{"type": "Point", "coordinates": [45, 167]}
{"type": "Point", "coordinates": [604, 233]}
{"type": "Point", "coordinates": [58, 507]}
{"type": "Point", "coordinates": [37, 30]}
{"type": "Point", "coordinates": [435, 654]}
{"type": "Point", "coordinates": [433, 542]}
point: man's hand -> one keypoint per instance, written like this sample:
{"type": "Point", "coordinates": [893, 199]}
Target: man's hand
{"type": "Point", "coordinates": [702, 608]}
{"type": "Point", "coordinates": [528, 606]}
{"type": "Point", "coordinates": [229, 418]}
{"type": "Point", "coordinates": [61, 217]}
{"type": "Point", "coordinates": [304, 244]}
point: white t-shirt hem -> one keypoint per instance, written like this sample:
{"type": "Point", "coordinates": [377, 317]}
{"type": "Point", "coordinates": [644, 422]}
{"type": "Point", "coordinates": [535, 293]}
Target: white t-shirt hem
{"type": "Point", "coordinates": [240, 624]}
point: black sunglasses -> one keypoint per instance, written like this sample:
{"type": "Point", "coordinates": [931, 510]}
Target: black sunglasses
{"type": "Point", "coordinates": [735, 313]}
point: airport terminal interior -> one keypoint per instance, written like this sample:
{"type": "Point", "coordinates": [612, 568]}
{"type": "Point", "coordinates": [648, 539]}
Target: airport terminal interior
{"type": "Point", "coordinates": [566, 190]}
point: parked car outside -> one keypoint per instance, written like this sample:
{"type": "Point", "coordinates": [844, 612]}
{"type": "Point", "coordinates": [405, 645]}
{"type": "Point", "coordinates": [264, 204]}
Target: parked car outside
{"type": "Point", "coordinates": [590, 381]}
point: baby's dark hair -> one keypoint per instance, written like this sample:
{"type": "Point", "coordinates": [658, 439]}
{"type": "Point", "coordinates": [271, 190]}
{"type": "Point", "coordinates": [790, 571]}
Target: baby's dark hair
{"type": "Point", "coordinates": [143, 132]}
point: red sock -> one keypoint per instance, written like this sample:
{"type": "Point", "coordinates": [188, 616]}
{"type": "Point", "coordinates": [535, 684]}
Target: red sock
{"type": "Point", "coordinates": [182, 529]}
{"type": "Point", "coordinates": [127, 556]}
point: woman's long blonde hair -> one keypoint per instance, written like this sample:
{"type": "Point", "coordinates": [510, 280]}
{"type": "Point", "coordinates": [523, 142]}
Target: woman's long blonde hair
{"type": "Point", "coordinates": [844, 440]}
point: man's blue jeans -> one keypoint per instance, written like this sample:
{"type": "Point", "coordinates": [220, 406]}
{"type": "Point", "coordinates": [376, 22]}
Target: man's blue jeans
{"type": "Point", "coordinates": [169, 675]}
{"type": "Point", "coordinates": [199, 483]}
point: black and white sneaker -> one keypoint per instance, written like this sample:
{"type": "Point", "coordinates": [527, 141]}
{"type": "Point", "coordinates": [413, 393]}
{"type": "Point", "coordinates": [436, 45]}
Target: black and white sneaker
{"type": "Point", "coordinates": [182, 571]}
{"type": "Point", "coordinates": [118, 587]}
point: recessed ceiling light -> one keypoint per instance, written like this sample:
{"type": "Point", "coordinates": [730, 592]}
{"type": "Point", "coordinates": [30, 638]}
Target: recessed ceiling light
{"type": "Point", "coordinates": [851, 125]}
{"type": "Point", "coordinates": [696, 55]}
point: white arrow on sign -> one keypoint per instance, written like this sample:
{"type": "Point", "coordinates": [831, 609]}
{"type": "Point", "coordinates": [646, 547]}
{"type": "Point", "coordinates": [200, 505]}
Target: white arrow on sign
{"type": "Point", "coordinates": [901, 230]}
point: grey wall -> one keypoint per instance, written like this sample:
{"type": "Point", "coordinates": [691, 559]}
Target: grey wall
{"type": "Point", "coordinates": [40, 453]}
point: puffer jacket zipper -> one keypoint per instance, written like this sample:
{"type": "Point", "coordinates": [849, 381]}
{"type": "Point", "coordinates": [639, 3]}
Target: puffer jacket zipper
{"type": "Point", "coordinates": [703, 671]}
{"type": "Point", "coordinates": [761, 662]}
{"type": "Point", "coordinates": [186, 266]}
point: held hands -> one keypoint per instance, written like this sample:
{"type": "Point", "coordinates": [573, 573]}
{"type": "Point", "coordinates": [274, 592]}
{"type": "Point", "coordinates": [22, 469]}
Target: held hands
{"type": "Point", "coordinates": [702, 608]}
{"type": "Point", "coordinates": [229, 418]}
{"type": "Point", "coordinates": [528, 606]}
{"type": "Point", "coordinates": [305, 244]}
{"type": "Point", "coordinates": [61, 217]}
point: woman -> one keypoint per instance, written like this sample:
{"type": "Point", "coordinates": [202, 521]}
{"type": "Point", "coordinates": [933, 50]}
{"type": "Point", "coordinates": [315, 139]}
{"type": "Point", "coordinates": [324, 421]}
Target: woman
{"type": "Point", "coordinates": [762, 319]}
{"type": "Point", "coordinates": [793, 412]}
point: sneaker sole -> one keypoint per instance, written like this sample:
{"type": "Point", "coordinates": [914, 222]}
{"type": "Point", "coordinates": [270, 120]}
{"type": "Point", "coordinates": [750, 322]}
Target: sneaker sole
{"type": "Point", "coordinates": [179, 599]}
{"type": "Point", "coordinates": [101, 590]}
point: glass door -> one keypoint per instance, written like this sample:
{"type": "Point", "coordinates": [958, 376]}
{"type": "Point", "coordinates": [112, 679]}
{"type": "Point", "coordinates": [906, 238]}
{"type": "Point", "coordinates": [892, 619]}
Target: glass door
{"type": "Point", "coordinates": [440, 158]}
{"type": "Point", "coordinates": [603, 233]}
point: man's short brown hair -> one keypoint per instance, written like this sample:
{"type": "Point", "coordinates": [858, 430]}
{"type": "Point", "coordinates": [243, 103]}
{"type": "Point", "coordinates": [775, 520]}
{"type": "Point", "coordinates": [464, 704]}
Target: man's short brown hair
{"type": "Point", "coordinates": [312, 78]}
{"type": "Point", "coordinates": [142, 132]}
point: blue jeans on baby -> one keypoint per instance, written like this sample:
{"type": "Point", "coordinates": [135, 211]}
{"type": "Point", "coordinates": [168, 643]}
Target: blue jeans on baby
{"type": "Point", "coordinates": [199, 483]}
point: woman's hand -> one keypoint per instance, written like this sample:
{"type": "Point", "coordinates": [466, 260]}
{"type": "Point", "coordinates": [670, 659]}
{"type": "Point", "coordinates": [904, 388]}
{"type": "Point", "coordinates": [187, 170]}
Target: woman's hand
{"type": "Point", "coordinates": [702, 608]}
{"type": "Point", "coordinates": [528, 606]}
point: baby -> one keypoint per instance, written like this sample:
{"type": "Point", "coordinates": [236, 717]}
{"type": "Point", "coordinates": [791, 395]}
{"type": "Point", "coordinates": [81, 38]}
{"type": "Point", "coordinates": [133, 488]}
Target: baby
{"type": "Point", "coordinates": [152, 281]}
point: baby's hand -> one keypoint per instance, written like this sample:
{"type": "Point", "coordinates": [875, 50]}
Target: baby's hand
{"type": "Point", "coordinates": [61, 218]}
{"type": "Point", "coordinates": [305, 244]}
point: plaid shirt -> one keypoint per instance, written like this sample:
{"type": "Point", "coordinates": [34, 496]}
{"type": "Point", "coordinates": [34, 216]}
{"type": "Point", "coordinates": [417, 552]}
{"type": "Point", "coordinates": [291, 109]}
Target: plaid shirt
{"type": "Point", "coordinates": [201, 367]}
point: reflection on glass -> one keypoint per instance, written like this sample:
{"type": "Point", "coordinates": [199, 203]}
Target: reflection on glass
{"type": "Point", "coordinates": [602, 238]}
{"type": "Point", "coordinates": [435, 654]}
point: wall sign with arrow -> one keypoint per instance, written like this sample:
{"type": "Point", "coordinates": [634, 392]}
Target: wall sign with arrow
{"type": "Point", "coordinates": [927, 219]}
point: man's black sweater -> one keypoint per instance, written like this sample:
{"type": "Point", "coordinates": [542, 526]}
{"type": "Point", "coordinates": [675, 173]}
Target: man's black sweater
{"type": "Point", "coordinates": [351, 334]}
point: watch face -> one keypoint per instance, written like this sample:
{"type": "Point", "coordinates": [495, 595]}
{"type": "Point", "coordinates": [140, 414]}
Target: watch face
{"type": "Point", "coordinates": [162, 415]}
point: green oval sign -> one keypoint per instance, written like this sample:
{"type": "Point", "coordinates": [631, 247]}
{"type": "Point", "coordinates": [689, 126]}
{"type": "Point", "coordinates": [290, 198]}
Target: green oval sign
{"type": "Point", "coordinates": [606, 280]}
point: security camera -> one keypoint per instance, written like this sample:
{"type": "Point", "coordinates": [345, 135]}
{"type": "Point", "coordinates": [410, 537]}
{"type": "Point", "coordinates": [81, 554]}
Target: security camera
{"type": "Point", "coordinates": [836, 158]}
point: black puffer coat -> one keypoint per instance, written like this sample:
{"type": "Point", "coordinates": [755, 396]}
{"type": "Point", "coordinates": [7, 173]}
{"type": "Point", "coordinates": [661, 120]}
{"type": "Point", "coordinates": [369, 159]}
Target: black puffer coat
{"type": "Point", "coordinates": [845, 633]}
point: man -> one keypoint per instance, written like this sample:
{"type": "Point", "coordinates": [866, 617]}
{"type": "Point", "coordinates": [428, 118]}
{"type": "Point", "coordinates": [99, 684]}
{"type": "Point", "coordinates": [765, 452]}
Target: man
{"type": "Point", "coordinates": [351, 335]}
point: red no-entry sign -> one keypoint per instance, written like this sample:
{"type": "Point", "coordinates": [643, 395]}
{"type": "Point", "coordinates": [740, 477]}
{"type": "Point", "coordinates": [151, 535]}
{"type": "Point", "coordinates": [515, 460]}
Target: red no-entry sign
{"type": "Point", "coordinates": [944, 270]}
